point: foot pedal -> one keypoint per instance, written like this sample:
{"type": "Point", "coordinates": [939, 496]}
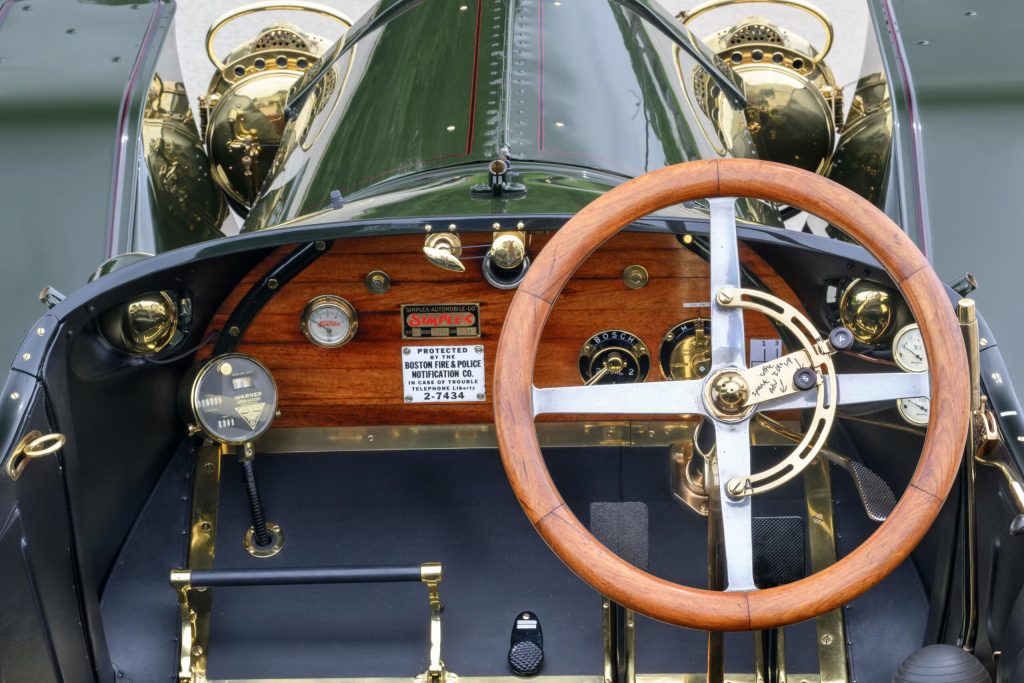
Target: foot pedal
{"type": "Point", "coordinates": [779, 550]}
{"type": "Point", "coordinates": [526, 653]}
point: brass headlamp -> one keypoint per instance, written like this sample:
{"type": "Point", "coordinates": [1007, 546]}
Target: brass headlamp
{"type": "Point", "coordinates": [243, 111]}
{"type": "Point", "coordinates": [794, 107]}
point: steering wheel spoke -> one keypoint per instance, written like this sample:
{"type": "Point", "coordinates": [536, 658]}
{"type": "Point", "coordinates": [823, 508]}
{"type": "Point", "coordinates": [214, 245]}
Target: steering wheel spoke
{"type": "Point", "coordinates": [732, 460]}
{"type": "Point", "coordinates": [727, 336]}
{"type": "Point", "coordinates": [871, 387]}
{"type": "Point", "coordinates": [645, 398]}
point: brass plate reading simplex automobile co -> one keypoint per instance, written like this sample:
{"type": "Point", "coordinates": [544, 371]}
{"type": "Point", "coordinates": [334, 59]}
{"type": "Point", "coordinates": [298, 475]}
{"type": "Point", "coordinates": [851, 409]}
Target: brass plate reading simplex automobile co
{"type": "Point", "coordinates": [439, 321]}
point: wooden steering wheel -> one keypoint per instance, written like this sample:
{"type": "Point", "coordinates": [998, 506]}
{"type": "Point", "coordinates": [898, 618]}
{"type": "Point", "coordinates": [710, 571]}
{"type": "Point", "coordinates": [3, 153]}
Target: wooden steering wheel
{"type": "Point", "coordinates": [725, 398]}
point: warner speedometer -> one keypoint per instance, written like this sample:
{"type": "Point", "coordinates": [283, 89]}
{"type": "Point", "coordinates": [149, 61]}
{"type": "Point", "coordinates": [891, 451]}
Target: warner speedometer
{"type": "Point", "coordinates": [233, 399]}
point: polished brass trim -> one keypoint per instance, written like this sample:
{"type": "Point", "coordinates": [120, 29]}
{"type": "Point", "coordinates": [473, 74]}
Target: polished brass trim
{"type": "Point", "coordinates": [1000, 459]}
{"type": "Point", "coordinates": [967, 316]}
{"type": "Point", "coordinates": [256, 7]}
{"type": "Point", "coordinates": [483, 436]}
{"type": "Point", "coordinates": [761, 672]}
{"type": "Point", "coordinates": [34, 445]}
{"type": "Point", "coordinates": [197, 604]}
{"type": "Point", "coordinates": [443, 250]}
{"type": "Point", "coordinates": [608, 639]}
{"type": "Point", "coordinates": [273, 549]}
{"type": "Point", "coordinates": [641, 678]}
{"type": "Point", "coordinates": [821, 535]}
{"type": "Point", "coordinates": [431, 574]}
{"type": "Point", "coordinates": [807, 7]}
{"type": "Point", "coordinates": [816, 354]}
{"type": "Point", "coordinates": [629, 647]}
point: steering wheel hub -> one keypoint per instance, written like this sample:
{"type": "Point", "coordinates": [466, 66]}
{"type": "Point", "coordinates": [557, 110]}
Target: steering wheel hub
{"type": "Point", "coordinates": [726, 394]}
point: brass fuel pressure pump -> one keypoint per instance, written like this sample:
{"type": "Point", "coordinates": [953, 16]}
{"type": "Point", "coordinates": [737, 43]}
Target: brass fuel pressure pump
{"type": "Point", "coordinates": [242, 114]}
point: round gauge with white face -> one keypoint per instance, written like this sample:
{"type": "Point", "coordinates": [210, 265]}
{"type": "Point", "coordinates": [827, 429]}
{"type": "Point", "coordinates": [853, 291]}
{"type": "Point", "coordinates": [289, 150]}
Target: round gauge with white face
{"type": "Point", "coordinates": [329, 321]}
{"type": "Point", "coordinates": [908, 349]}
{"type": "Point", "coordinates": [916, 411]}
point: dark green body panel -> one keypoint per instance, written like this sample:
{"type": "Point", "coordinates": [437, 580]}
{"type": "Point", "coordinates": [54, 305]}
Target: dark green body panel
{"type": "Point", "coordinates": [596, 88]}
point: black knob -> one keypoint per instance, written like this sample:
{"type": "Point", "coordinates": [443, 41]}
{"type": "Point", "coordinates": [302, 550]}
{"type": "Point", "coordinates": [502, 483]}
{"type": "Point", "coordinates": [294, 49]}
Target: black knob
{"type": "Point", "coordinates": [526, 653]}
{"type": "Point", "coordinates": [805, 379]}
{"type": "Point", "coordinates": [841, 338]}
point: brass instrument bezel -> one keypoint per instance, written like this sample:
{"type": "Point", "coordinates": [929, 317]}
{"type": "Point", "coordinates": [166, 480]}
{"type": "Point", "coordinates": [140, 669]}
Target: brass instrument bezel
{"type": "Point", "coordinates": [324, 301]}
{"type": "Point", "coordinates": [605, 341]}
{"type": "Point", "coordinates": [193, 399]}
{"type": "Point", "coordinates": [679, 335]}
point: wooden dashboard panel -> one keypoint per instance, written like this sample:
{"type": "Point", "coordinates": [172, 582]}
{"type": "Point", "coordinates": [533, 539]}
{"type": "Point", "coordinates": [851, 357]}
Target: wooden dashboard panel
{"type": "Point", "coordinates": [360, 384]}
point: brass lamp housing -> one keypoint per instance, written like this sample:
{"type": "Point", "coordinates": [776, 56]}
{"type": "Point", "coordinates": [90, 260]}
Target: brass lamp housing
{"type": "Point", "coordinates": [794, 106]}
{"type": "Point", "coordinates": [243, 111]}
{"type": "Point", "coordinates": [142, 326]}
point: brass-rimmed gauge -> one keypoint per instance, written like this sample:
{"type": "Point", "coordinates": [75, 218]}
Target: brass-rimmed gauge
{"type": "Point", "coordinates": [915, 411]}
{"type": "Point", "coordinates": [232, 399]}
{"type": "Point", "coordinates": [329, 321]}
{"type": "Point", "coordinates": [908, 349]}
{"type": "Point", "coordinates": [614, 357]}
{"type": "Point", "coordinates": [685, 351]}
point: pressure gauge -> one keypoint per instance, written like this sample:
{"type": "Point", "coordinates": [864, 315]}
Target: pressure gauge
{"type": "Point", "coordinates": [614, 357]}
{"type": "Point", "coordinates": [232, 398]}
{"type": "Point", "coordinates": [329, 321]}
{"type": "Point", "coordinates": [908, 349]}
{"type": "Point", "coordinates": [916, 411]}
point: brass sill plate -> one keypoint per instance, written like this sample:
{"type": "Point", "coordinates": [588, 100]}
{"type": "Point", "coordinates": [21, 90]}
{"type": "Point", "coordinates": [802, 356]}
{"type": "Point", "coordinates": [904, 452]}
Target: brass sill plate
{"type": "Point", "coordinates": [479, 436]}
{"type": "Point", "coordinates": [641, 678]}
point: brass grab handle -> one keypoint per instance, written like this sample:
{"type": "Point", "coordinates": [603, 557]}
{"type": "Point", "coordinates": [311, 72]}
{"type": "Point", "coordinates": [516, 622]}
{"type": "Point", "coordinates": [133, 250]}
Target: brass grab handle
{"type": "Point", "coordinates": [817, 13]}
{"type": "Point", "coordinates": [34, 445]}
{"type": "Point", "coordinates": [268, 6]}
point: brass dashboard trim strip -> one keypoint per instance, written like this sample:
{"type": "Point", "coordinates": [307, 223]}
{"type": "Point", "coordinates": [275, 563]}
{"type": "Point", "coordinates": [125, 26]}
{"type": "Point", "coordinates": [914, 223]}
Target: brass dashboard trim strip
{"type": "Point", "coordinates": [479, 436]}
{"type": "Point", "coordinates": [641, 678]}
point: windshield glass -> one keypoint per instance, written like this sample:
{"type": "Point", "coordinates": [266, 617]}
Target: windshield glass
{"type": "Point", "coordinates": [592, 85]}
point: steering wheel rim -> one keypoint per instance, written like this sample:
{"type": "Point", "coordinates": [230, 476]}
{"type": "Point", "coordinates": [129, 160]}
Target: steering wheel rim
{"type": "Point", "coordinates": [645, 593]}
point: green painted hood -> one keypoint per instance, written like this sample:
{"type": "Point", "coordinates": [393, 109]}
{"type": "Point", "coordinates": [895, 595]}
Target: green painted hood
{"type": "Point", "coordinates": [581, 94]}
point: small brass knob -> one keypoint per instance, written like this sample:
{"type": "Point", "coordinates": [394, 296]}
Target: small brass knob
{"type": "Point", "coordinates": [508, 251]}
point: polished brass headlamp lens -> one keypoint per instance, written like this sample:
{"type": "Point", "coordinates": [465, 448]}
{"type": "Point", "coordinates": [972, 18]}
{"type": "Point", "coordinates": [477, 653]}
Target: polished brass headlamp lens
{"type": "Point", "coordinates": [142, 326]}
